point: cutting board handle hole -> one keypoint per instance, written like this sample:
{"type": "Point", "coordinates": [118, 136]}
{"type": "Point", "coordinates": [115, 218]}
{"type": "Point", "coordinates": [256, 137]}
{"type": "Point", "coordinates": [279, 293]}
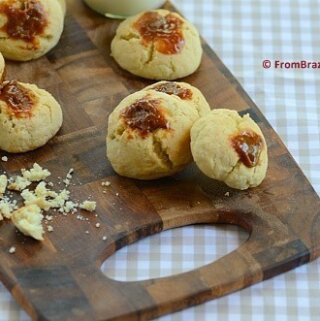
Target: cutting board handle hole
{"type": "Point", "coordinates": [176, 248]}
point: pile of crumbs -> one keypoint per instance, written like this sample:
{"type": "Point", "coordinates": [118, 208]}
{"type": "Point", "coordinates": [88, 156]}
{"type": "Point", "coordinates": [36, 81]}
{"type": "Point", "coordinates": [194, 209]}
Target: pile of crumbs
{"type": "Point", "coordinates": [28, 218]}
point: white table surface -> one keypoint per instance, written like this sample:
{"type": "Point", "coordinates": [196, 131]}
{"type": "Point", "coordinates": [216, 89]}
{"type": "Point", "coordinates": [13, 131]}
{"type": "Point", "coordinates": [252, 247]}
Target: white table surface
{"type": "Point", "coordinates": [243, 33]}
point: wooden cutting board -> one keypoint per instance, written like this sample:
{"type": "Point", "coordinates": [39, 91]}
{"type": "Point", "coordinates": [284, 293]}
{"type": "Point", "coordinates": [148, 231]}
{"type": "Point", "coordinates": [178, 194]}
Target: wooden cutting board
{"type": "Point", "coordinates": [60, 278]}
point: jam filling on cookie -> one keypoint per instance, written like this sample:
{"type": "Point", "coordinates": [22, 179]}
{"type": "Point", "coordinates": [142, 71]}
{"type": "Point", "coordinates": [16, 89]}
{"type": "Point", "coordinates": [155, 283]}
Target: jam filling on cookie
{"type": "Point", "coordinates": [19, 99]}
{"type": "Point", "coordinates": [172, 88]}
{"type": "Point", "coordinates": [165, 32]}
{"type": "Point", "coordinates": [248, 146]}
{"type": "Point", "coordinates": [145, 116]}
{"type": "Point", "coordinates": [26, 19]}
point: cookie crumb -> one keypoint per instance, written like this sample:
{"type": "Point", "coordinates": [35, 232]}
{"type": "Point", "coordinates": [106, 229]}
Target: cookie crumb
{"type": "Point", "coordinates": [28, 221]}
{"type": "Point", "coordinates": [19, 183]}
{"type": "Point", "coordinates": [106, 183]}
{"type": "Point", "coordinates": [70, 207]}
{"type": "Point", "coordinates": [69, 175]}
{"type": "Point", "coordinates": [89, 206]}
{"type": "Point", "coordinates": [36, 173]}
{"type": "Point", "coordinates": [104, 238]}
{"type": "Point", "coordinates": [3, 185]}
{"type": "Point", "coordinates": [12, 250]}
{"type": "Point", "coordinates": [227, 194]}
{"type": "Point", "coordinates": [4, 158]}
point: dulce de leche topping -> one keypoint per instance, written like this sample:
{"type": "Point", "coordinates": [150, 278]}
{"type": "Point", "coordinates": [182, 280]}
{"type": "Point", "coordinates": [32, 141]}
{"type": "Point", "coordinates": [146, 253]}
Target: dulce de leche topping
{"type": "Point", "coordinates": [172, 88]}
{"type": "Point", "coordinates": [25, 19]}
{"type": "Point", "coordinates": [248, 145]}
{"type": "Point", "coordinates": [18, 99]}
{"type": "Point", "coordinates": [164, 31]}
{"type": "Point", "coordinates": [145, 116]}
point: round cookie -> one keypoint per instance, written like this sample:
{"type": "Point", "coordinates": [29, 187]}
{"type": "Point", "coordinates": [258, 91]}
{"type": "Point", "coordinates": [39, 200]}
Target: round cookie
{"type": "Point", "coordinates": [29, 28]}
{"type": "Point", "coordinates": [29, 117]}
{"type": "Point", "coordinates": [149, 135]}
{"type": "Point", "coordinates": [230, 148]}
{"type": "Point", "coordinates": [2, 68]}
{"type": "Point", "coordinates": [185, 92]}
{"type": "Point", "coordinates": [158, 45]}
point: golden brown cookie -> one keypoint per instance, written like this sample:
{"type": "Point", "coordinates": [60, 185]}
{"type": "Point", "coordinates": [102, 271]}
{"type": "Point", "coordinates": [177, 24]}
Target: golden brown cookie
{"type": "Point", "coordinates": [230, 148]}
{"type": "Point", "coordinates": [149, 135]}
{"type": "Point", "coordinates": [157, 45]}
{"type": "Point", "coordinates": [29, 28]}
{"type": "Point", "coordinates": [29, 117]}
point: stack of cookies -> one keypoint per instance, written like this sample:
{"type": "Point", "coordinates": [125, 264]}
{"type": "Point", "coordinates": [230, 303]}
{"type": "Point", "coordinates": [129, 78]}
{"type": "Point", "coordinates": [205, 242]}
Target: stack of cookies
{"type": "Point", "coordinates": [156, 132]}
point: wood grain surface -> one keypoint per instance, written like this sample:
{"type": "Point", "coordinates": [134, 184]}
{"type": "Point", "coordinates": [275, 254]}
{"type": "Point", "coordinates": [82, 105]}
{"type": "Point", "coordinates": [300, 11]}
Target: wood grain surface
{"type": "Point", "coordinates": [60, 278]}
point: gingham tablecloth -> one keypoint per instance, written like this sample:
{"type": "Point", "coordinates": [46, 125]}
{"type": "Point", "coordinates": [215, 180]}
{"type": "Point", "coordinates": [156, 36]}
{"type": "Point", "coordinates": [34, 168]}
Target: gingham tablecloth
{"type": "Point", "coordinates": [244, 33]}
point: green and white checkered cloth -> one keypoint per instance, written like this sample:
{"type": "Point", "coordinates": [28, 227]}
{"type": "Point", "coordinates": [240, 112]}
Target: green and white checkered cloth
{"type": "Point", "coordinates": [244, 33]}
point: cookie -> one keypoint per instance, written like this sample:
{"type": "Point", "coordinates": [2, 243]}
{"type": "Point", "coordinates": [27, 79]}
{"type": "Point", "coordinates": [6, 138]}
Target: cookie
{"type": "Point", "coordinates": [185, 92]}
{"type": "Point", "coordinates": [158, 45]}
{"type": "Point", "coordinates": [149, 135]}
{"type": "Point", "coordinates": [230, 148]}
{"type": "Point", "coordinates": [29, 117]}
{"type": "Point", "coordinates": [29, 28]}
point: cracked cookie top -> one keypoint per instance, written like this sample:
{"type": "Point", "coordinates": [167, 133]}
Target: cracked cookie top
{"type": "Point", "coordinates": [149, 135]}
{"type": "Point", "coordinates": [19, 100]}
{"type": "Point", "coordinates": [164, 31]}
{"type": "Point", "coordinates": [26, 19]}
{"type": "Point", "coordinates": [145, 116]}
{"type": "Point", "coordinates": [158, 45]}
